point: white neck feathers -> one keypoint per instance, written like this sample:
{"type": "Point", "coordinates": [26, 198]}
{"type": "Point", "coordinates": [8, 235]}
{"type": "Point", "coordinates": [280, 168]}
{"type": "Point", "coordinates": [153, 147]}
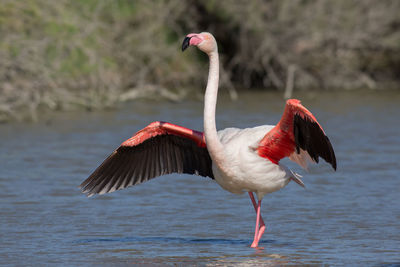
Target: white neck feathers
{"type": "Point", "coordinates": [214, 146]}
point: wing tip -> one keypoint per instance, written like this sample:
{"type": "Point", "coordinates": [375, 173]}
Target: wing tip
{"type": "Point", "coordinates": [91, 192]}
{"type": "Point", "coordinates": [334, 166]}
{"type": "Point", "coordinates": [332, 156]}
{"type": "Point", "coordinates": [324, 149]}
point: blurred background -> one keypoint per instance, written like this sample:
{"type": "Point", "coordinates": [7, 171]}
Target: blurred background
{"type": "Point", "coordinates": [95, 53]}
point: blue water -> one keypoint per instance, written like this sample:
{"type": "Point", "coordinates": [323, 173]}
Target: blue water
{"type": "Point", "coordinates": [348, 217]}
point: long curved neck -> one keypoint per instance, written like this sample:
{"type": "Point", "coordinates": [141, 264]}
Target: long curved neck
{"type": "Point", "coordinates": [214, 146]}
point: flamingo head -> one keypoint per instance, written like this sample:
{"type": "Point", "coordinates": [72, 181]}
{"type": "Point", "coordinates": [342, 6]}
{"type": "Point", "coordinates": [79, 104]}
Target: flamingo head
{"type": "Point", "coordinates": [205, 41]}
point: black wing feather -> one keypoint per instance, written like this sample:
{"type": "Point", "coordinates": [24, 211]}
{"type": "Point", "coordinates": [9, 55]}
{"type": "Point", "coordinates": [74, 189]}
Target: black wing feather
{"type": "Point", "coordinates": [309, 136]}
{"type": "Point", "coordinates": [156, 156]}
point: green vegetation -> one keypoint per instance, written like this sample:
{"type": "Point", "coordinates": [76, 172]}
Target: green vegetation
{"type": "Point", "coordinates": [93, 53]}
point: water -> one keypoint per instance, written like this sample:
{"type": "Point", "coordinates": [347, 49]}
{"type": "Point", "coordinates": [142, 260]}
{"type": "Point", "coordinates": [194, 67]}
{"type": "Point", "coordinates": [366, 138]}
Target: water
{"type": "Point", "coordinates": [348, 217]}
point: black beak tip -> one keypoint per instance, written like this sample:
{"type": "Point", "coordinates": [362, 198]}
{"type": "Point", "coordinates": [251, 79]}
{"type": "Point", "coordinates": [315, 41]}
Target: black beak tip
{"type": "Point", "coordinates": [185, 43]}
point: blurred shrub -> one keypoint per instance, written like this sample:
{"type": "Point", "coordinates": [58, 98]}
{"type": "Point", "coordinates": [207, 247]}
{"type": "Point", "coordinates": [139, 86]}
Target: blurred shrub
{"type": "Point", "coordinates": [93, 53]}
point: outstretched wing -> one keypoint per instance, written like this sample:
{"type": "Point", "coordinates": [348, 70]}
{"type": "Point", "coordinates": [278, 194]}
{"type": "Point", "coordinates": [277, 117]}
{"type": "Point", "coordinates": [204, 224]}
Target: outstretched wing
{"type": "Point", "coordinates": [160, 148]}
{"type": "Point", "coordinates": [298, 136]}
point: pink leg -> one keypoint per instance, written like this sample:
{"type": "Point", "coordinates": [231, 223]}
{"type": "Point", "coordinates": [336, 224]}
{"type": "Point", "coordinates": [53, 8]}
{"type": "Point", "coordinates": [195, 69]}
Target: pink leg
{"type": "Point", "coordinates": [262, 224]}
{"type": "Point", "coordinates": [256, 233]}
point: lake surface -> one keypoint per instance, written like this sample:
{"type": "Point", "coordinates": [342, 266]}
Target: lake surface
{"type": "Point", "coordinates": [348, 217]}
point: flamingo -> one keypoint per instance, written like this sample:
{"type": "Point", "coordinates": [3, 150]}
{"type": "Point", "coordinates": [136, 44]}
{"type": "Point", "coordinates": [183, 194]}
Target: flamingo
{"type": "Point", "coordinates": [239, 160]}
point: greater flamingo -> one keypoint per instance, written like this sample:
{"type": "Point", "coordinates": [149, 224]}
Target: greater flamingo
{"type": "Point", "coordinates": [240, 160]}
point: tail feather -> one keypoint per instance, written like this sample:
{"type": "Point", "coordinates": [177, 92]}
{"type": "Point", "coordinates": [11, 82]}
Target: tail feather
{"type": "Point", "coordinates": [296, 177]}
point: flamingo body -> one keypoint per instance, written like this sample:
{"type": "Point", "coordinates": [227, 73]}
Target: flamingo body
{"type": "Point", "coordinates": [243, 170]}
{"type": "Point", "coordinates": [240, 160]}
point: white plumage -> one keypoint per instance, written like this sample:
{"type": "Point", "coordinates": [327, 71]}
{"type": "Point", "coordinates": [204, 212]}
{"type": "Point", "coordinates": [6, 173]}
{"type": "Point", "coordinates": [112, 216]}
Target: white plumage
{"type": "Point", "coordinates": [243, 170]}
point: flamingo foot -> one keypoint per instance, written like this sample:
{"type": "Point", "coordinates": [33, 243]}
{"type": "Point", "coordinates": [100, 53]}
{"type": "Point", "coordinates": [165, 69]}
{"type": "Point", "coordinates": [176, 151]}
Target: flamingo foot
{"type": "Point", "coordinates": [254, 244]}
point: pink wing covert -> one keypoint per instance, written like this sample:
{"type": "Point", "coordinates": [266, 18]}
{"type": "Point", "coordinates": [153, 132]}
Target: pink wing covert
{"type": "Point", "coordinates": [160, 148]}
{"type": "Point", "coordinates": [298, 136]}
{"type": "Point", "coordinates": [162, 128]}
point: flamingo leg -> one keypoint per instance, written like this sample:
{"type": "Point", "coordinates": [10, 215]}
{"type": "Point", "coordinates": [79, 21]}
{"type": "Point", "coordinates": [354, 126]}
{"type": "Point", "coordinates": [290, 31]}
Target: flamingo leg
{"type": "Point", "coordinates": [256, 232]}
{"type": "Point", "coordinates": [261, 230]}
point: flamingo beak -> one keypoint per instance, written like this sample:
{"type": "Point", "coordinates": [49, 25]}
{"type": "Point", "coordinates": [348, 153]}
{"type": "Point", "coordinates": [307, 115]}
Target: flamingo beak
{"type": "Point", "coordinates": [186, 43]}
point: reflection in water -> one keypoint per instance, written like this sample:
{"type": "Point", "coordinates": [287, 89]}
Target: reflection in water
{"type": "Point", "coordinates": [347, 217]}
